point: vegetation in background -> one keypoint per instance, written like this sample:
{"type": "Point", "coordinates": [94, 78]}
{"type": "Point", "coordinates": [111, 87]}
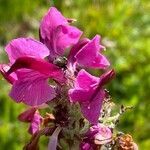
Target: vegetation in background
{"type": "Point", "coordinates": [124, 28]}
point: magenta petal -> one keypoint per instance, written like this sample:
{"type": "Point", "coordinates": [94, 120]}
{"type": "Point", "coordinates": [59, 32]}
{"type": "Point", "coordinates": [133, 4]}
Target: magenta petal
{"type": "Point", "coordinates": [75, 49]}
{"type": "Point", "coordinates": [32, 89]}
{"type": "Point", "coordinates": [27, 115]}
{"type": "Point", "coordinates": [103, 136]}
{"type": "Point", "coordinates": [10, 78]}
{"type": "Point", "coordinates": [50, 21]}
{"type": "Point", "coordinates": [26, 47]}
{"type": "Point", "coordinates": [40, 65]}
{"type": "Point", "coordinates": [98, 134]}
{"type": "Point", "coordinates": [93, 58]}
{"type": "Point", "coordinates": [56, 33]}
{"type": "Point", "coordinates": [85, 80]}
{"type": "Point", "coordinates": [90, 50]}
{"type": "Point", "coordinates": [79, 95]}
{"type": "Point", "coordinates": [84, 87]}
{"type": "Point", "coordinates": [68, 36]}
{"type": "Point", "coordinates": [88, 91]}
{"type": "Point", "coordinates": [35, 123]}
{"type": "Point", "coordinates": [85, 146]}
{"type": "Point", "coordinates": [33, 117]}
{"type": "Point", "coordinates": [106, 77]}
{"type": "Point", "coordinates": [91, 110]}
{"type": "Point", "coordinates": [100, 61]}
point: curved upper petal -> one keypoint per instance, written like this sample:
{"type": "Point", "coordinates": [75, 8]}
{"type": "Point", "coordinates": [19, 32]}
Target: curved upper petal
{"type": "Point", "coordinates": [26, 47]}
{"type": "Point", "coordinates": [45, 68]}
{"type": "Point", "coordinates": [89, 55]}
{"type": "Point", "coordinates": [50, 21]}
{"type": "Point", "coordinates": [68, 36]}
{"type": "Point", "coordinates": [74, 50]}
{"type": "Point", "coordinates": [56, 33]}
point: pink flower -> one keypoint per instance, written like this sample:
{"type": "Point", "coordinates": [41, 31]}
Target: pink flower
{"type": "Point", "coordinates": [89, 93]}
{"type": "Point", "coordinates": [56, 33]}
{"type": "Point", "coordinates": [86, 53]}
{"type": "Point", "coordinates": [96, 135]}
{"type": "Point", "coordinates": [33, 117]}
{"type": "Point", "coordinates": [29, 72]}
{"type": "Point", "coordinates": [32, 72]}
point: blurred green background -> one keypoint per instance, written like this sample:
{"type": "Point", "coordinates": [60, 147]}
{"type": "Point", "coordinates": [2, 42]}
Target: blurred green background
{"type": "Point", "coordinates": [125, 28]}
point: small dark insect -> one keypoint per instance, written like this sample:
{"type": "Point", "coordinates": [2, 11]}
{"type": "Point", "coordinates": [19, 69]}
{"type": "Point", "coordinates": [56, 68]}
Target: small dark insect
{"type": "Point", "coordinates": [61, 62]}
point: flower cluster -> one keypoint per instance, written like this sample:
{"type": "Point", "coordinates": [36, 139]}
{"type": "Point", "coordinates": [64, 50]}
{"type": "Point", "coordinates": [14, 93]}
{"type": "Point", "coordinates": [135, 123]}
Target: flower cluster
{"type": "Point", "coordinates": [52, 73]}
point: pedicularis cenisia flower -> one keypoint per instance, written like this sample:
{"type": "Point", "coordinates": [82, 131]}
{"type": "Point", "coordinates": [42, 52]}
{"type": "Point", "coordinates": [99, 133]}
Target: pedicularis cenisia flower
{"type": "Point", "coordinates": [52, 73]}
